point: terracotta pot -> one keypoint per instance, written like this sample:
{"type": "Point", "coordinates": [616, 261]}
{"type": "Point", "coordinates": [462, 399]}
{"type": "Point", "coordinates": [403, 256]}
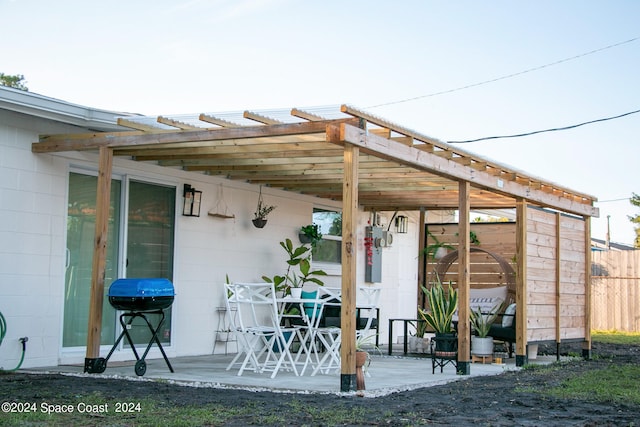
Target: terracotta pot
{"type": "Point", "coordinates": [361, 359]}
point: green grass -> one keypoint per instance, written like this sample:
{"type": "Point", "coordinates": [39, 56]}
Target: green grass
{"type": "Point", "coordinates": [617, 384]}
{"type": "Point", "coordinates": [614, 383]}
{"type": "Point", "coordinates": [616, 337]}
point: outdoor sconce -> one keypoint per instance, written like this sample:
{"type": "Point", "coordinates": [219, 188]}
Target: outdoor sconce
{"type": "Point", "coordinates": [402, 223]}
{"type": "Point", "coordinates": [192, 198]}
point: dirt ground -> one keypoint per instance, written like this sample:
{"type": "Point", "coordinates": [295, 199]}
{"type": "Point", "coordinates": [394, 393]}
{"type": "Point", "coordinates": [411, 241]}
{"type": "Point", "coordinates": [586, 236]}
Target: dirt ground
{"type": "Point", "coordinates": [504, 400]}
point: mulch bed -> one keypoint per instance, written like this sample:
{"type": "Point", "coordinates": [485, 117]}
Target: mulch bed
{"type": "Point", "coordinates": [502, 400]}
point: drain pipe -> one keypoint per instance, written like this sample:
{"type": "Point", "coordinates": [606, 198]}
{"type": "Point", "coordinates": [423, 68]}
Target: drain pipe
{"type": "Point", "coordinates": [23, 340]}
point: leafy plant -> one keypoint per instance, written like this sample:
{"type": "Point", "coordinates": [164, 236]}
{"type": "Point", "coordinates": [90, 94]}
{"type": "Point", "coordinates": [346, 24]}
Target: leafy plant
{"type": "Point", "coordinates": [481, 322]}
{"type": "Point", "coordinates": [299, 269]}
{"type": "Point", "coordinates": [262, 210]}
{"type": "Point", "coordinates": [312, 232]}
{"type": "Point", "coordinates": [421, 328]}
{"type": "Point", "coordinates": [431, 250]}
{"type": "Point", "coordinates": [442, 305]}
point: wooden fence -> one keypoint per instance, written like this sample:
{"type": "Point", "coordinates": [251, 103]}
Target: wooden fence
{"type": "Point", "coordinates": [615, 290]}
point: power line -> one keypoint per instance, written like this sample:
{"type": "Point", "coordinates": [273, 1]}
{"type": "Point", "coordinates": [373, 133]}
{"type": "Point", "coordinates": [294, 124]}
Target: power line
{"type": "Point", "coordinates": [545, 130]}
{"type": "Point", "coordinates": [505, 77]}
{"type": "Point", "coordinates": [613, 200]}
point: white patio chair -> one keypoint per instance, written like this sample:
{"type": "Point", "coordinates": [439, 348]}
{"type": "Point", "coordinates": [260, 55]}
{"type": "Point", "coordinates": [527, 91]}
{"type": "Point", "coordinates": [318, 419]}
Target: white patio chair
{"type": "Point", "coordinates": [367, 303]}
{"type": "Point", "coordinates": [267, 345]}
{"type": "Point", "coordinates": [242, 344]}
{"type": "Point", "coordinates": [311, 309]}
{"type": "Point", "coordinates": [329, 335]}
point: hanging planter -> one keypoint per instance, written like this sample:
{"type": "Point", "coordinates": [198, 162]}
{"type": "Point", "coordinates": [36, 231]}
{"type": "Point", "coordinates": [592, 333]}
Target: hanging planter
{"type": "Point", "coordinates": [259, 222]}
{"type": "Point", "coordinates": [260, 215]}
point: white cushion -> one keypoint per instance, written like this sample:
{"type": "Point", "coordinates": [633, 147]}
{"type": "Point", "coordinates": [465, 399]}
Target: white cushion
{"type": "Point", "coordinates": [507, 321]}
{"type": "Point", "coordinates": [484, 304]}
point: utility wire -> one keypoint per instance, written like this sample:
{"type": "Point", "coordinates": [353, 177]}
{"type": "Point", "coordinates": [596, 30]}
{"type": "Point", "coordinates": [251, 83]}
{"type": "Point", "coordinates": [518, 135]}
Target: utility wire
{"type": "Point", "coordinates": [614, 200]}
{"type": "Point", "coordinates": [545, 130]}
{"type": "Point", "coordinates": [505, 77]}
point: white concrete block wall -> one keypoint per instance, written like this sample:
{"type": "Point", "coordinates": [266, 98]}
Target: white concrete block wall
{"type": "Point", "coordinates": [32, 232]}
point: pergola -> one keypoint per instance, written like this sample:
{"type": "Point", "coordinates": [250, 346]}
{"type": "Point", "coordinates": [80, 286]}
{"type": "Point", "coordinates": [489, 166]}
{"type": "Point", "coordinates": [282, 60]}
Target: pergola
{"type": "Point", "coordinates": [346, 155]}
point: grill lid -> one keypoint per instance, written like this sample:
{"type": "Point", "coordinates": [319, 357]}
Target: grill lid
{"type": "Point", "coordinates": [142, 288]}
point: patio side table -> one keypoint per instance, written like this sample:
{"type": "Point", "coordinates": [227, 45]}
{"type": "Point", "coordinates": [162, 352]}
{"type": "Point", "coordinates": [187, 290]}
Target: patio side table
{"type": "Point", "coordinates": [405, 330]}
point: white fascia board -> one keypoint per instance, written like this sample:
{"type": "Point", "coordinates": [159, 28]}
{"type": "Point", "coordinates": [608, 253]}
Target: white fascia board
{"type": "Point", "coordinates": [32, 104]}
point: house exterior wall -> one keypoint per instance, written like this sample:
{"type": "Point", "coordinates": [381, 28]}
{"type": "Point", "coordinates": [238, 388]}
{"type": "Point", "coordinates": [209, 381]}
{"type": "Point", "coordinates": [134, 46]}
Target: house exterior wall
{"type": "Point", "coordinates": [33, 207]}
{"type": "Point", "coordinates": [32, 233]}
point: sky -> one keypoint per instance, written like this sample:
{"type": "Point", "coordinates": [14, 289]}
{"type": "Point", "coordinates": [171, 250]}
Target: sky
{"type": "Point", "coordinates": [452, 70]}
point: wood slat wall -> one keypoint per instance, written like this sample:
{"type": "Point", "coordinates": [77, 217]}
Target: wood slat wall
{"type": "Point", "coordinates": [546, 286]}
{"type": "Point", "coordinates": [497, 238]}
{"type": "Point", "coordinates": [615, 290]}
{"type": "Point", "coordinates": [552, 286]}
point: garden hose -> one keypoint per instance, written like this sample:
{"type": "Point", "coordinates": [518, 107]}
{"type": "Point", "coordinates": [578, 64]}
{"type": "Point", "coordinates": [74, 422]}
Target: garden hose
{"type": "Point", "coordinates": [23, 340]}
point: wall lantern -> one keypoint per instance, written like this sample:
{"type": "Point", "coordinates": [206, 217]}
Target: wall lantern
{"type": "Point", "coordinates": [402, 223]}
{"type": "Point", "coordinates": [192, 198]}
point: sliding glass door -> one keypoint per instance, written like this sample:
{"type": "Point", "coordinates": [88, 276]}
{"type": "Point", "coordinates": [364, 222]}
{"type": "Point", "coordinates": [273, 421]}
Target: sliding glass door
{"type": "Point", "coordinates": [148, 224]}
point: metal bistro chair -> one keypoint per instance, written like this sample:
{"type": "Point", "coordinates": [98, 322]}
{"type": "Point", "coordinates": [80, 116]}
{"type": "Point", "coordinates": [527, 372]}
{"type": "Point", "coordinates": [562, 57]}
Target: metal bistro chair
{"type": "Point", "coordinates": [266, 345]}
{"type": "Point", "coordinates": [328, 332]}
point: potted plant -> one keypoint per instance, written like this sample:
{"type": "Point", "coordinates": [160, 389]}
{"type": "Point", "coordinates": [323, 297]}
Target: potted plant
{"type": "Point", "coordinates": [262, 210]}
{"type": "Point", "coordinates": [481, 343]}
{"type": "Point", "coordinates": [299, 270]}
{"type": "Point", "coordinates": [310, 234]}
{"type": "Point", "coordinates": [437, 249]}
{"type": "Point", "coordinates": [422, 343]}
{"type": "Point", "coordinates": [362, 358]}
{"type": "Point", "coordinates": [442, 304]}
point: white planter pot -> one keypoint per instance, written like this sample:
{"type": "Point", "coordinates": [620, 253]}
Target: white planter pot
{"type": "Point", "coordinates": [440, 253]}
{"type": "Point", "coordinates": [414, 342]}
{"type": "Point", "coordinates": [532, 351]}
{"type": "Point", "coordinates": [481, 346]}
{"type": "Point", "coordinates": [296, 292]}
{"type": "Point", "coordinates": [425, 345]}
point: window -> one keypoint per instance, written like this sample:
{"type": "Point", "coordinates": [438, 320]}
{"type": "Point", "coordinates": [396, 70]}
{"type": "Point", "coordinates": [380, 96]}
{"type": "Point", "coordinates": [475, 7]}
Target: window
{"type": "Point", "coordinates": [329, 249]}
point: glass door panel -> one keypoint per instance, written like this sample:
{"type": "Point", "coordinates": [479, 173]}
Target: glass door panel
{"type": "Point", "coordinates": [150, 241]}
{"type": "Point", "coordinates": [81, 220]}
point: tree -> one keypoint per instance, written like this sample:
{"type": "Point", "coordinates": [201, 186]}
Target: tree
{"type": "Point", "coordinates": [635, 201]}
{"type": "Point", "coordinates": [16, 81]}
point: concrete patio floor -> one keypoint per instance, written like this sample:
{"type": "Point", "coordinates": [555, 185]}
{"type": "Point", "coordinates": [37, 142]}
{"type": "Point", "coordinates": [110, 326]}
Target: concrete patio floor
{"type": "Point", "coordinates": [388, 374]}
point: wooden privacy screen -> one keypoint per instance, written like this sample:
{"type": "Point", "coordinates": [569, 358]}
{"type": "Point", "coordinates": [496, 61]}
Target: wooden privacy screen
{"type": "Point", "coordinates": [484, 274]}
{"type": "Point", "coordinates": [490, 261]}
{"type": "Point", "coordinates": [556, 288]}
{"type": "Point", "coordinates": [556, 274]}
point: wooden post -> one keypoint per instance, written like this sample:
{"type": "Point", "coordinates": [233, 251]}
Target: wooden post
{"type": "Point", "coordinates": [422, 271]}
{"type": "Point", "coordinates": [349, 257]}
{"type": "Point", "coordinates": [99, 258]}
{"type": "Point", "coordinates": [521, 282]}
{"type": "Point", "coordinates": [586, 347]}
{"type": "Point", "coordinates": [464, 328]}
{"type": "Point", "coordinates": [558, 277]}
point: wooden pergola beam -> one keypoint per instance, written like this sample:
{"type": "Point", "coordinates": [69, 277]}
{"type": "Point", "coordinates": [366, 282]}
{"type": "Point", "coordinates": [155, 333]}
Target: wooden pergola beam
{"type": "Point", "coordinates": [117, 139]}
{"type": "Point", "coordinates": [449, 169]}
